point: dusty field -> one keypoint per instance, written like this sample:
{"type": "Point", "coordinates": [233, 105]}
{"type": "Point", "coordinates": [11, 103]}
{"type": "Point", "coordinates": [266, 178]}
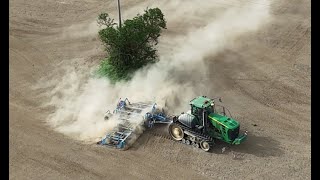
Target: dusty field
{"type": "Point", "coordinates": [264, 77]}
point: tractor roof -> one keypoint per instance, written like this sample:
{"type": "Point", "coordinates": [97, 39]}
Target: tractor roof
{"type": "Point", "coordinates": [201, 102]}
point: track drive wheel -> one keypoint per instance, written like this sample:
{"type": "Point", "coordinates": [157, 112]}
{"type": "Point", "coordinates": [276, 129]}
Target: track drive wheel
{"type": "Point", "coordinates": [205, 145]}
{"type": "Point", "coordinates": [176, 132]}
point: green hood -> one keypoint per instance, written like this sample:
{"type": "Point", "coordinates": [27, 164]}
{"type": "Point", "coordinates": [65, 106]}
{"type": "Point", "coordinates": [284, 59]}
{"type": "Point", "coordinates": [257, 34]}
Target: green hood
{"type": "Point", "coordinates": [228, 122]}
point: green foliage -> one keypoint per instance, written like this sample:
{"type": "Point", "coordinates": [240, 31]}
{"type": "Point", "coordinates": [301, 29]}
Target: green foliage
{"type": "Point", "coordinates": [133, 45]}
{"type": "Point", "coordinates": [104, 19]}
{"type": "Point", "coordinates": [107, 70]}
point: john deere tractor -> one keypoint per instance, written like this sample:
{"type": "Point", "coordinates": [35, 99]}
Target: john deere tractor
{"type": "Point", "coordinates": [203, 124]}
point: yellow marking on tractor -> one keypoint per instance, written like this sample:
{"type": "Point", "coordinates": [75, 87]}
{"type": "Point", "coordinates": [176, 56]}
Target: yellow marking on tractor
{"type": "Point", "coordinates": [217, 121]}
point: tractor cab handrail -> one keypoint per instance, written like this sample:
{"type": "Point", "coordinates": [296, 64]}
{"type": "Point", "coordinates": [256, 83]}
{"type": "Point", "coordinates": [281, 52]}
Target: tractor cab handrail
{"type": "Point", "coordinates": [226, 109]}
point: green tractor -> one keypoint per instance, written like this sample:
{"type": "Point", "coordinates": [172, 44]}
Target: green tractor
{"type": "Point", "coordinates": [203, 123]}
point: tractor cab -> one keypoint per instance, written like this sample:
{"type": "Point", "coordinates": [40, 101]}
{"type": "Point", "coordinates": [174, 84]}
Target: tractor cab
{"type": "Point", "coordinates": [209, 105]}
{"type": "Point", "coordinates": [200, 104]}
{"type": "Point", "coordinates": [200, 108]}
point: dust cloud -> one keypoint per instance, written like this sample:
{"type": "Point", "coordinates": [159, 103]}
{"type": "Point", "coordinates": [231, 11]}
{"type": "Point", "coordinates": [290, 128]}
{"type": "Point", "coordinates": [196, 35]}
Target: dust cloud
{"type": "Point", "coordinates": [79, 101]}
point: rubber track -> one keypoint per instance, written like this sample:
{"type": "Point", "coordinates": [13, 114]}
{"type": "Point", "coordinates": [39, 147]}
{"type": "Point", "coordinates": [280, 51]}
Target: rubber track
{"type": "Point", "coordinates": [201, 135]}
{"type": "Point", "coordinates": [198, 134]}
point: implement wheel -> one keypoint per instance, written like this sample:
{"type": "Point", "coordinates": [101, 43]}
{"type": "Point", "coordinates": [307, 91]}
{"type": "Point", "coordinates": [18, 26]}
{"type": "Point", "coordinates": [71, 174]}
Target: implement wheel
{"type": "Point", "coordinates": [176, 132]}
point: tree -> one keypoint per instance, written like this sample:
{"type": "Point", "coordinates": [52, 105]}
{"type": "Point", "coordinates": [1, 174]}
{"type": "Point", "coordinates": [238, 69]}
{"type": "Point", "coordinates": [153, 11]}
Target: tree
{"type": "Point", "coordinates": [132, 46]}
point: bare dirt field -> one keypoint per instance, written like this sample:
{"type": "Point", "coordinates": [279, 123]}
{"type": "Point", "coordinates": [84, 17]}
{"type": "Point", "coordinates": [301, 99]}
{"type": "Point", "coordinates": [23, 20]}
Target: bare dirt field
{"type": "Point", "coordinates": [263, 73]}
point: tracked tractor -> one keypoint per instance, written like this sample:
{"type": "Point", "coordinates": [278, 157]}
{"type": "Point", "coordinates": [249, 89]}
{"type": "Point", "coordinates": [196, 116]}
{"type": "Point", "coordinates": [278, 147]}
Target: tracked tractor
{"type": "Point", "coordinates": [203, 124]}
